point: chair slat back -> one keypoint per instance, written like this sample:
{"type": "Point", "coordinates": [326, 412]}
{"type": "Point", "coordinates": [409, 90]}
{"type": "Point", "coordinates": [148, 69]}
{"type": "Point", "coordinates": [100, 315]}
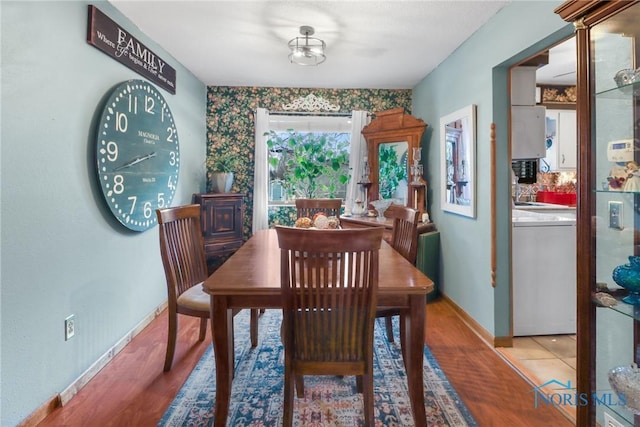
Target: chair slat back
{"type": "Point", "coordinates": [182, 248]}
{"type": "Point", "coordinates": [329, 282]}
{"type": "Point", "coordinates": [404, 237]}
{"type": "Point", "coordinates": [309, 207]}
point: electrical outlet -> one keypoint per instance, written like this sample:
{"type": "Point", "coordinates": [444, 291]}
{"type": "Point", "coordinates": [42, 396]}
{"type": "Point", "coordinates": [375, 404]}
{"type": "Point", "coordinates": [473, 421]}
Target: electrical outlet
{"type": "Point", "coordinates": [609, 421]}
{"type": "Point", "coordinates": [615, 215]}
{"type": "Point", "coordinates": [69, 327]}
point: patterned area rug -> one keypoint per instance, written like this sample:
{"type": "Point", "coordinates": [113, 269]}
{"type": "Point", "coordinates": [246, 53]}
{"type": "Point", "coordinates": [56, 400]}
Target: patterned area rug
{"type": "Point", "coordinates": [256, 395]}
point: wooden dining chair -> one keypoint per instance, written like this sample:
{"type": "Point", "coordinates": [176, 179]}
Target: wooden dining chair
{"type": "Point", "coordinates": [185, 268]}
{"type": "Point", "coordinates": [329, 282]}
{"type": "Point", "coordinates": [404, 239]}
{"type": "Point", "coordinates": [309, 207]}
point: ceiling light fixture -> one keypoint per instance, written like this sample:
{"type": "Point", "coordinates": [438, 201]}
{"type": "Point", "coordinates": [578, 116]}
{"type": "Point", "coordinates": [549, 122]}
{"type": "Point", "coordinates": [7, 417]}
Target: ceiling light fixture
{"type": "Point", "coordinates": [307, 50]}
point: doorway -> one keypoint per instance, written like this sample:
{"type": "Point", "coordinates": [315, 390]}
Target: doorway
{"type": "Point", "coordinates": [543, 219]}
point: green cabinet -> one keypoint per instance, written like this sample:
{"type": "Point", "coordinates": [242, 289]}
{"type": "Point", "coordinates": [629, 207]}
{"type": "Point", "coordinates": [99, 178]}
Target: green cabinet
{"type": "Point", "coordinates": [428, 259]}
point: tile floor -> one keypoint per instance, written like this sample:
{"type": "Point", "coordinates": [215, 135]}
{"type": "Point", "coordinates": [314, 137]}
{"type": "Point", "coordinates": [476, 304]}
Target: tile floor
{"type": "Point", "coordinates": [544, 358]}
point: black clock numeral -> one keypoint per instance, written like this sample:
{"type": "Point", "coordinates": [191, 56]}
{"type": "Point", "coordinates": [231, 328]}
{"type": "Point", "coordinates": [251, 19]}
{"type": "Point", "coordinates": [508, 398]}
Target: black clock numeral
{"type": "Point", "coordinates": [122, 122]}
{"type": "Point", "coordinates": [149, 103]}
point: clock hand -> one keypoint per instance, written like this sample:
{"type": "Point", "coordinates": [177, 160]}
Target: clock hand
{"type": "Point", "coordinates": [135, 161]}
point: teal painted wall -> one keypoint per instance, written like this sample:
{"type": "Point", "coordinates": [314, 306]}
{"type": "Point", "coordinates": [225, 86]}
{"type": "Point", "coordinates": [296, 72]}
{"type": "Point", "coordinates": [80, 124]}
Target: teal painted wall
{"type": "Point", "coordinates": [476, 73]}
{"type": "Point", "coordinates": [61, 252]}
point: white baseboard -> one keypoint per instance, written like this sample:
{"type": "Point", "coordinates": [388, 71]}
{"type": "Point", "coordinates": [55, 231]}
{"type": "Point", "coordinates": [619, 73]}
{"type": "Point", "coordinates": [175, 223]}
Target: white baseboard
{"type": "Point", "coordinates": [87, 375]}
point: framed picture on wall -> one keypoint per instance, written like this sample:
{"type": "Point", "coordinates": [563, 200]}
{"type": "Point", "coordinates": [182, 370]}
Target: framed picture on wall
{"type": "Point", "coordinates": [458, 164]}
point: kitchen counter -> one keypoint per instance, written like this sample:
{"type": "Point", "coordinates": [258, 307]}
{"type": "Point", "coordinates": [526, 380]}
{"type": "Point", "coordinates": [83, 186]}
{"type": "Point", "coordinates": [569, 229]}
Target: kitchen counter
{"type": "Point", "coordinates": [525, 218]}
{"type": "Point", "coordinates": [547, 208]}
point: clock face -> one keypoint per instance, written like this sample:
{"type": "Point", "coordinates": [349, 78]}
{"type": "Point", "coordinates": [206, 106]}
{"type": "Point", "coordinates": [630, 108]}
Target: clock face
{"type": "Point", "coordinates": [137, 153]}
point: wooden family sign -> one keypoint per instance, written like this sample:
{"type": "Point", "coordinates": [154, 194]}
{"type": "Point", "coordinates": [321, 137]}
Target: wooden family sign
{"type": "Point", "coordinates": [107, 36]}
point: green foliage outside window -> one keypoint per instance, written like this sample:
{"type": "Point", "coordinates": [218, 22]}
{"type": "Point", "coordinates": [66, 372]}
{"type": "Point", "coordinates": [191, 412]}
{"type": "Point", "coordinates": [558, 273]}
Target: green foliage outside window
{"type": "Point", "coordinates": [308, 164]}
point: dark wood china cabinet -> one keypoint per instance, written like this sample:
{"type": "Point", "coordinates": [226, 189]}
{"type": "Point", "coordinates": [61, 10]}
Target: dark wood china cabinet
{"type": "Point", "coordinates": [221, 216]}
{"type": "Point", "coordinates": [608, 208]}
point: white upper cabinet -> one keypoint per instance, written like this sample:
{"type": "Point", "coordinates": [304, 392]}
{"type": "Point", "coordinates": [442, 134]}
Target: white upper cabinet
{"type": "Point", "coordinates": [527, 132]}
{"type": "Point", "coordinates": [523, 86]}
{"type": "Point", "coordinates": [561, 141]}
{"type": "Point", "coordinates": [567, 140]}
{"type": "Point", "coordinates": [527, 119]}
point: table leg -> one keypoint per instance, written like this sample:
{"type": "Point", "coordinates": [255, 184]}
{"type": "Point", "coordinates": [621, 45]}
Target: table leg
{"type": "Point", "coordinates": [403, 337]}
{"type": "Point", "coordinates": [222, 334]}
{"type": "Point", "coordinates": [413, 340]}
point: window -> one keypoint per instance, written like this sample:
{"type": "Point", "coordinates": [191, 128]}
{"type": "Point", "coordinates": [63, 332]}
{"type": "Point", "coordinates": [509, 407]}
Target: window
{"type": "Point", "coordinates": [308, 157]}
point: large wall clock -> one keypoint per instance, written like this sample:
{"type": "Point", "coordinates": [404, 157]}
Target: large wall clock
{"type": "Point", "coordinates": [137, 154]}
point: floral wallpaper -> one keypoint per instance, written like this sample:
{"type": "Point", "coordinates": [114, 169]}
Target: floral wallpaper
{"type": "Point", "coordinates": [282, 215]}
{"type": "Point", "coordinates": [230, 127]}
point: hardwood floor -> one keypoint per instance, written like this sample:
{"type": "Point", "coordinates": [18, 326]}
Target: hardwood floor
{"type": "Point", "coordinates": [495, 394]}
{"type": "Point", "coordinates": [133, 391]}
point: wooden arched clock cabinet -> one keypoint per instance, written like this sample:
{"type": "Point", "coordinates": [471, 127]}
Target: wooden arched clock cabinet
{"type": "Point", "coordinates": [394, 128]}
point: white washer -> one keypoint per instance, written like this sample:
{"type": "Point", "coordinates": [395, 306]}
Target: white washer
{"type": "Point", "coordinates": [544, 274]}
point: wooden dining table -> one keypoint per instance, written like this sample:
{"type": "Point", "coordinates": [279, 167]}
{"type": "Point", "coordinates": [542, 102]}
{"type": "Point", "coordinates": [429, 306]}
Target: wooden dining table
{"type": "Point", "coordinates": [250, 278]}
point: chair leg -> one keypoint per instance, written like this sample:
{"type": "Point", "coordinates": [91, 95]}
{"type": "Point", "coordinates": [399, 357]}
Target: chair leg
{"type": "Point", "coordinates": [403, 337]}
{"type": "Point", "coordinates": [253, 327]}
{"type": "Point", "coordinates": [389, 325]}
{"type": "Point", "coordinates": [203, 328]}
{"type": "Point", "coordinates": [367, 397]}
{"type": "Point", "coordinates": [287, 415]}
{"type": "Point", "coordinates": [359, 384]}
{"type": "Point", "coordinates": [300, 386]}
{"type": "Point", "coordinates": [171, 340]}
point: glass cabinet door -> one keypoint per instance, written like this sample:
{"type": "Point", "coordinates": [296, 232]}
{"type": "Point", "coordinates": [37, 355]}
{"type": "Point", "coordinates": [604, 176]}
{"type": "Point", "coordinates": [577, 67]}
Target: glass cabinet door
{"type": "Point", "coordinates": [614, 206]}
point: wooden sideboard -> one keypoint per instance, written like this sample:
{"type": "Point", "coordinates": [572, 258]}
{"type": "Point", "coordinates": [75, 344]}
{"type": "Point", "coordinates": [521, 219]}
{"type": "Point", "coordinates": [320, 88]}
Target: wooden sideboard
{"type": "Point", "coordinates": [221, 216]}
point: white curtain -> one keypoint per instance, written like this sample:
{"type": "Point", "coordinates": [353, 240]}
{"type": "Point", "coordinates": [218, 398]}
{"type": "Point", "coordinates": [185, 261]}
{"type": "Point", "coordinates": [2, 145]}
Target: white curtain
{"type": "Point", "coordinates": [261, 172]}
{"type": "Point", "coordinates": [357, 156]}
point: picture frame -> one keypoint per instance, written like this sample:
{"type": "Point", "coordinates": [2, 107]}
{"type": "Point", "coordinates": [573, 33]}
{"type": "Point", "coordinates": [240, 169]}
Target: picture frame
{"type": "Point", "coordinates": [458, 161]}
